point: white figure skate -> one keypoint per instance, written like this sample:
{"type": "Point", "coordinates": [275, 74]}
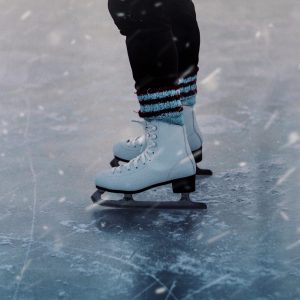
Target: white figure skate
{"type": "Point", "coordinates": [127, 150]}
{"type": "Point", "coordinates": [166, 159]}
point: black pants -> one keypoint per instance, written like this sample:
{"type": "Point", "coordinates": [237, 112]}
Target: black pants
{"type": "Point", "coordinates": [162, 38]}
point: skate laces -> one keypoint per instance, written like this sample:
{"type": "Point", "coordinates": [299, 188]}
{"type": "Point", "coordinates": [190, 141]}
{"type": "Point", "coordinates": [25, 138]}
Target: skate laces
{"type": "Point", "coordinates": [146, 155]}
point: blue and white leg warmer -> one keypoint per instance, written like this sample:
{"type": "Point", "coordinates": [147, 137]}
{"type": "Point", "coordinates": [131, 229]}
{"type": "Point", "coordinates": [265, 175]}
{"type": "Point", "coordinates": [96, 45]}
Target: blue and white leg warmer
{"type": "Point", "coordinates": [188, 90]}
{"type": "Point", "coordinates": [161, 104]}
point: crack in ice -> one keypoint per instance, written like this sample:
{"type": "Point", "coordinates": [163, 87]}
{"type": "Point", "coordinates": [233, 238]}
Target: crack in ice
{"type": "Point", "coordinates": [27, 261]}
{"type": "Point", "coordinates": [217, 281]}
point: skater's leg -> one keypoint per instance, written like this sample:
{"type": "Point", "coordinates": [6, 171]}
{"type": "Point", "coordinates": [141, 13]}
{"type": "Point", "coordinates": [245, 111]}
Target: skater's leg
{"type": "Point", "coordinates": [186, 37]}
{"type": "Point", "coordinates": [153, 56]}
{"type": "Point", "coordinates": [167, 157]}
{"type": "Point", "coordinates": [187, 40]}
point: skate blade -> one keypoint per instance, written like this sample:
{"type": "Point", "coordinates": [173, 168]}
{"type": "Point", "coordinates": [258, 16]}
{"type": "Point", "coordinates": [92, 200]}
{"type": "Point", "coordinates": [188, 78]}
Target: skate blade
{"type": "Point", "coordinates": [99, 196]}
{"type": "Point", "coordinates": [127, 201]}
{"type": "Point", "coordinates": [203, 172]}
{"type": "Point", "coordinates": [182, 204]}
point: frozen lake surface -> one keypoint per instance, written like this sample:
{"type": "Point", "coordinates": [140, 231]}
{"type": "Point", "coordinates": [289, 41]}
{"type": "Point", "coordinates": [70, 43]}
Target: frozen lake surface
{"type": "Point", "coordinates": [66, 95]}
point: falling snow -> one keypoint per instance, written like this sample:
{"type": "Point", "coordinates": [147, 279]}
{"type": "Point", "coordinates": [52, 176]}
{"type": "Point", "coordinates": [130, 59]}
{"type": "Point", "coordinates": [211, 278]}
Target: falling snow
{"type": "Point", "coordinates": [26, 15]}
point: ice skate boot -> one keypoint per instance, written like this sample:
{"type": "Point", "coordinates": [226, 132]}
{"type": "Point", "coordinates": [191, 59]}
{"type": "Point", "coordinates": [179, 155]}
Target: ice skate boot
{"type": "Point", "coordinates": [166, 159]}
{"type": "Point", "coordinates": [126, 151]}
{"type": "Point", "coordinates": [194, 138]}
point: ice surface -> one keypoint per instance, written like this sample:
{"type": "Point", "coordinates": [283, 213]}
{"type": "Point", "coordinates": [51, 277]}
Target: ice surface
{"type": "Point", "coordinates": [66, 95]}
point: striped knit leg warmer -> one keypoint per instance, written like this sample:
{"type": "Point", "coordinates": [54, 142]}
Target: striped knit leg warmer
{"type": "Point", "coordinates": [188, 90]}
{"type": "Point", "coordinates": [161, 104]}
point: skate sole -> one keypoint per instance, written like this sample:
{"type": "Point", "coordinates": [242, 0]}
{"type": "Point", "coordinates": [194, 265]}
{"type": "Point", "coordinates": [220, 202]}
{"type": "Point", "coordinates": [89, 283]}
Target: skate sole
{"type": "Point", "coordinates": [180, 185]}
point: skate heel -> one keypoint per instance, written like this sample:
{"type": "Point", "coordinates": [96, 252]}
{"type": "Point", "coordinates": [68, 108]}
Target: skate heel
{"type": "Point", "coordinates": [198, 155]}
{"type": "Point", "coordinates": [184, 185]}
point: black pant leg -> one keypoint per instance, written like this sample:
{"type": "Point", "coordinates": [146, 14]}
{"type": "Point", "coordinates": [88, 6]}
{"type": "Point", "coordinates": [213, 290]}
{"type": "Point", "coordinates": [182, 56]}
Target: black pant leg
{"type": "Point", "coordinates": [186, 35]}
{"type": "Point", "coordinates": [149, 38]}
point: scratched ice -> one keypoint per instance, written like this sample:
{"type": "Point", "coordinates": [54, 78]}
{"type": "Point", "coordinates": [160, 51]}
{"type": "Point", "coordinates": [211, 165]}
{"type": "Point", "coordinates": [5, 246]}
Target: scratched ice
{"type": "Point", "coordinates": [66, 95]}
